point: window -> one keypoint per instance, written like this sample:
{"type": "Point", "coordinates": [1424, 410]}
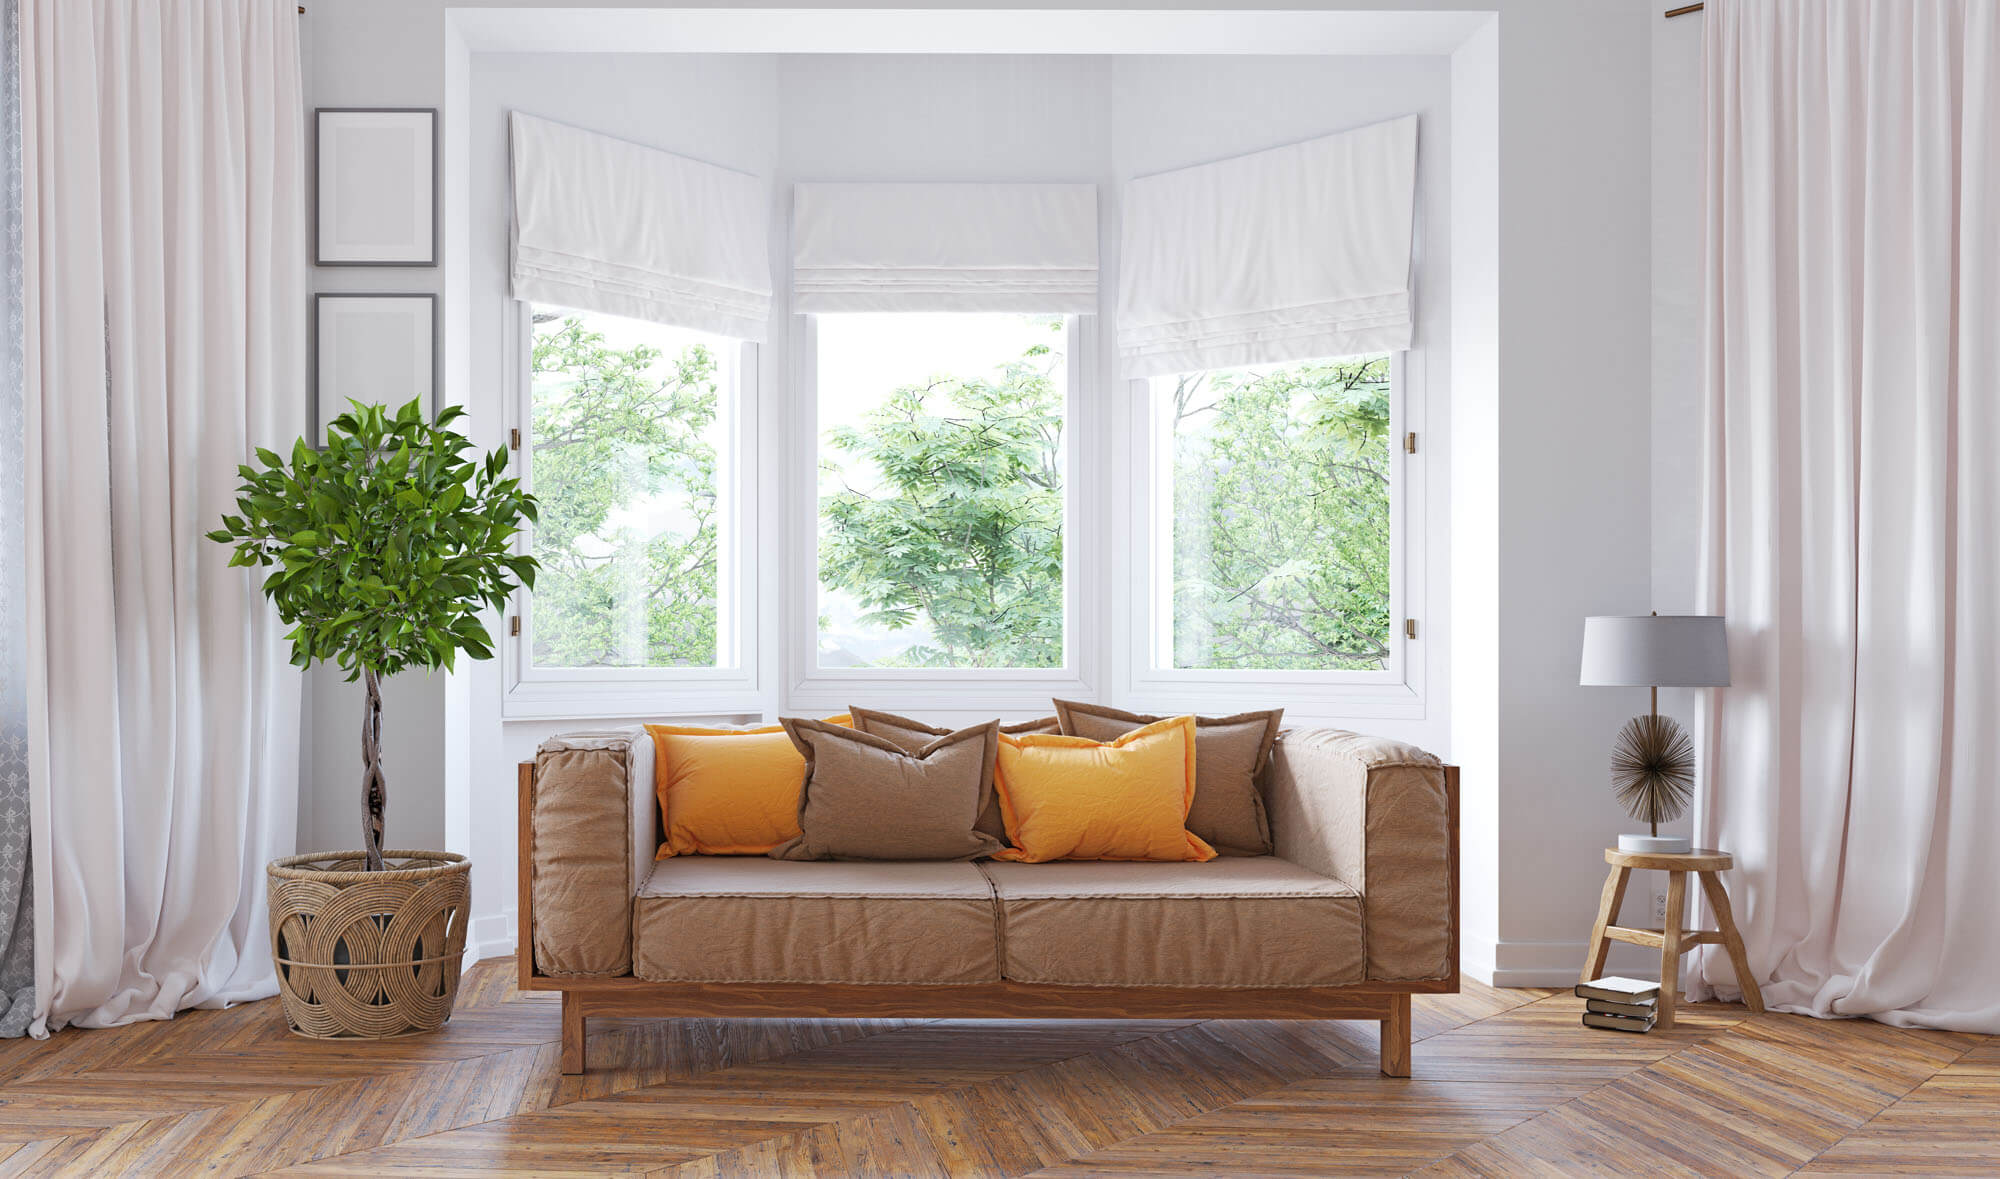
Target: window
{"type": "Point", "coordinates": [629, 457]}
{"type": "Point", "coordinates": [1273, 518]}
{"type": "Point", "coordinates": [941, 497]}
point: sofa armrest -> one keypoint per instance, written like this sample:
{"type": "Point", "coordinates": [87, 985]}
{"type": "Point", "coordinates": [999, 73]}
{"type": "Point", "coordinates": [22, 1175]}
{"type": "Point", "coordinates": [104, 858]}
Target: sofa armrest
{"type": "Point", "coordinates": [1382, 817]}
{"type": "Point", "coordinates": [577, 853]}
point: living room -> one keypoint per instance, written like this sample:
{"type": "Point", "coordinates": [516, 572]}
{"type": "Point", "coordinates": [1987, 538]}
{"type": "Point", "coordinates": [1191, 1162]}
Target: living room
{"type": "Point", "coordinates": [942, 590]}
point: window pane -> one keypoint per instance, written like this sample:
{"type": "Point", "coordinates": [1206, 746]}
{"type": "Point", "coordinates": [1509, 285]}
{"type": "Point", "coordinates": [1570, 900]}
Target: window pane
{"type": "Point", "coordinates": [941, 490]}
{"type": "Point", "coordinates": [625, 437]}
{"type": "Point", "coordinates": [1280, 529]}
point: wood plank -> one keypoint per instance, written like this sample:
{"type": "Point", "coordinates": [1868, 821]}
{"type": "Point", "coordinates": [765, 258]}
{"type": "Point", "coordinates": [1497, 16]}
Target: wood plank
{"type": "Point", "coordinates": [1657, 938]}
{"type": "Point", "coordinates": [1505, 1083]}
{"type": "Point", "coordinates": [995, 1000]}
{"type": "Point", "coordinates": [1608, 904]}
{"type": "Point", "coordinates": [1396, 1039]}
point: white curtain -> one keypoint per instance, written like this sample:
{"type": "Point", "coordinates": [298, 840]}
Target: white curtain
{"type": "Point", "coordinates": [605, 225]}
{"type": "Point", "coordinates": [17, 903]}
{"type": "Point", "coordinates": [1852, 306]}
{"type": "Point", "coordinates": [165, 266]}
{"type": "Point", "coordinates": [945, 247]}
{"type": "Point", "coordinates": [1296, 253]}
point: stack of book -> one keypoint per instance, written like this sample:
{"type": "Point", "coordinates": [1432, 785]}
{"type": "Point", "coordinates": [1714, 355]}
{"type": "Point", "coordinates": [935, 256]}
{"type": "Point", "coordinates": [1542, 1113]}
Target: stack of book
{"type": "Point", "coordinates": [1622, 1004]}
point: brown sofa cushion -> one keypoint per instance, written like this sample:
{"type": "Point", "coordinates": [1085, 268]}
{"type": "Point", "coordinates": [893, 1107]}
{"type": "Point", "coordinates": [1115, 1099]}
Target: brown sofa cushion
{"type": "Point", "coordinates": [913, 735]}
{"type": "Point", "coordinates": [735, 919]}
{"type": "Point", "coordinates": [1243, 922]}
{"type": "Point", "coordinates": [580, 865]}
{"type": "Point", "coordinates": [1374, 813]}
{"type": "Point", "coordinates": [1230, 753]}
{"type": "Point", "coordinates": [867, 799]}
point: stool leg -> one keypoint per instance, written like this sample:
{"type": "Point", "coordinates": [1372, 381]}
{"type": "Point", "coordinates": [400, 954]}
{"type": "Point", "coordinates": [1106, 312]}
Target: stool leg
{"type": "Point", "coordinates": [1607, 915]}
{"type": "Point", "coordinates": [1725, 923]}
{"type": "Point", "coordinates": [1670, 947]}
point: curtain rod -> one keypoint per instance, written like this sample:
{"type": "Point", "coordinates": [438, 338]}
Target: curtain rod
{"type": "Point", "coordinates": [1671, 12]}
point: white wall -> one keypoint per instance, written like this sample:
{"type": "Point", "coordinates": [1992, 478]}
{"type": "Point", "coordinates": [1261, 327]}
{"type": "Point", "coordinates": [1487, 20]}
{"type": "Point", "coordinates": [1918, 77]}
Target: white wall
{"type": "Point", "coordinates": [355, 54]}
{"type": "Point", "coordinates": [1551, 345]}
{"type": "Point", "coordinates": [1575, 174]}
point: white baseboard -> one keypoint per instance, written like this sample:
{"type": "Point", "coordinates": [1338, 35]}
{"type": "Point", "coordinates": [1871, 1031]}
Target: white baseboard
{"type": "Point", "coordinates": [491, 936]}
{"type": "Point", "coordinates": [1550, 964]}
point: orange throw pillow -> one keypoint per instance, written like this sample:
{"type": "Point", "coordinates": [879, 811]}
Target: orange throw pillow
{"type": "Point", "coordinates": [1071, 798]}
{"type": "Point", "coordinates": [728, 792]}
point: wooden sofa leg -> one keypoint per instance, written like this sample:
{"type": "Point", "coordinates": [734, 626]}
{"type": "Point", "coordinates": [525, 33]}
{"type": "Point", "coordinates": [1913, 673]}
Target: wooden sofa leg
{"type": "Point", "coordinates": [573, 1033]}
{"type": "Point", "coordinates": [1396, 1038]}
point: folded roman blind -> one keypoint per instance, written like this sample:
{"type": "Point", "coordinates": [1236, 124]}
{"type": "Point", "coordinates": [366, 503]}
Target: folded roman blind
{"type": "Point", "coordinates": [1288, 254]}
{"type": "Point", "coordinates": [605, 225]}
{"type": "Point", "coordinates": [944, 247]}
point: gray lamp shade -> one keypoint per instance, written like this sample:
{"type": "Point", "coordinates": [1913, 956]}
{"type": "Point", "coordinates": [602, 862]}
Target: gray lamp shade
{"type": "Point", "coordinates": [1651, 650]}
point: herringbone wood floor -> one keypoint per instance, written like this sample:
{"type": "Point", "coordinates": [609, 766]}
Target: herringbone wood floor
{"type": "Point", "coordinates": [1505, 1083]}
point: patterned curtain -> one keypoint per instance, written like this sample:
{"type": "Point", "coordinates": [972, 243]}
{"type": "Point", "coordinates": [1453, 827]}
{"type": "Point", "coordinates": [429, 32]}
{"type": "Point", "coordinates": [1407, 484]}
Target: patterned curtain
{"type": "Point", "coordinates": [17, 904]}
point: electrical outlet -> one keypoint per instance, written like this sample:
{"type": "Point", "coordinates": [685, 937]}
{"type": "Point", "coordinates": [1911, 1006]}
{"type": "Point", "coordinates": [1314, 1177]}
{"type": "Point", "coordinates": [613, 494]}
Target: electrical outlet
{"type": "Point", "coordinates": [1660, 907]}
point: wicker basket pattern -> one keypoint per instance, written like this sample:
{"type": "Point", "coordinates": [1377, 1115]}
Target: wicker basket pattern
{"type": "Point", "coordinates": [369, 954]}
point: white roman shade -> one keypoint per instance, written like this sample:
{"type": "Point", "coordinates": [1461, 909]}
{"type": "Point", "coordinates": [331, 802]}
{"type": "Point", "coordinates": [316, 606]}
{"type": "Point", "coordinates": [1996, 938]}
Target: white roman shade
{"type": "Point", "coordinates": [605, 225]}
{"type": "Point", "coordinates": [944, 247]}
{"type": "Point", "coordinates": [1288, 254]}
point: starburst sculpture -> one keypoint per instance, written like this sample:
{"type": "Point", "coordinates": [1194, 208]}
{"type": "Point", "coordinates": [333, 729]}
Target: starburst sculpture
{"type": "Point", "coordinates": [1652, 769]}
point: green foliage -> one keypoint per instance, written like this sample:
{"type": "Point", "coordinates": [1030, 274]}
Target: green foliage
{"type": "Point", "coordinates": [965, 530]}
{"type": "Point", "coordinates": [385, 544]}
{"type": "Point", "coordinates": [1281, 517]}
{"type": "Point", "coordinates": [614, 429]}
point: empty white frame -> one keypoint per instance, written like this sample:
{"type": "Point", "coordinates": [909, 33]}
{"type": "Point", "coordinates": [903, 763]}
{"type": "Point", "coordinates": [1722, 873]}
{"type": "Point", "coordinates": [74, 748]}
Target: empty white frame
{"type": "Point", "coordinates": [375, 349]}
{"type": "Point", "coordinates": [377, 187]}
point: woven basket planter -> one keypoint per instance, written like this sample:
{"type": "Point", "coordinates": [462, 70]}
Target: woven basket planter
{"type": "Point", "coordinates": [369, 954]}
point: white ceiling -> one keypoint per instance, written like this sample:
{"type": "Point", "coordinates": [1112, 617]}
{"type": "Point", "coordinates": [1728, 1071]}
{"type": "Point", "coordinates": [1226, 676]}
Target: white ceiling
{"type": "Point", "coordinates": [967, 30]}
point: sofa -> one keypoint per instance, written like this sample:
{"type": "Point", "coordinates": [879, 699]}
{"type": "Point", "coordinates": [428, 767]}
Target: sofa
{"type": "Point", "coordinates": [1356, 910]}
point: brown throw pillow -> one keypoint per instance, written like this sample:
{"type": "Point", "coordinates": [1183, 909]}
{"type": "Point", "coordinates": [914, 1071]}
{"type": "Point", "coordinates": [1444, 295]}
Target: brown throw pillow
{"type": "Point", "coordinates": [867, 799]}
{"type": "Point", "coordinates": [913, 735]}
{"type": "Point", "coordinates": [1230, 753]}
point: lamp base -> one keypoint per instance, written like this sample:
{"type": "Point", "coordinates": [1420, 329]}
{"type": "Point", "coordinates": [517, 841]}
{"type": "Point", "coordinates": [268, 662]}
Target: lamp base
{"type": "Point", "coordinates": [1670, 844]}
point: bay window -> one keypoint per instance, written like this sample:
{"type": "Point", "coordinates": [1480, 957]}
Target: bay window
{"type": "Point", "coordinates": [1273, 523]}
{"type": "Point", "coordinates": [628, 454]}
{"type": "Point", "coordinates": [1250, 520]}
{"type": "Point", "coordinates": [940, 497]}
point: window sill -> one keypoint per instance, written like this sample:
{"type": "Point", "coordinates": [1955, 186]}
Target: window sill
{"type": "Point", "coordinates": [955, 691]}
{"type": "Point", "coordinates": [631, 700]}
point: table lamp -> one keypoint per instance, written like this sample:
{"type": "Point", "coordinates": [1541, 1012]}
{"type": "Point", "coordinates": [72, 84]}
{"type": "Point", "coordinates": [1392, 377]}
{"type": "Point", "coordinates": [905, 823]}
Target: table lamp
{"type": "Point", "coordinates": [1652, 762]}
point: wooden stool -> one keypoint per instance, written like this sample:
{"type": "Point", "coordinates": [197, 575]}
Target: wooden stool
{"type": "Point", "coordinates": [1673, 941]}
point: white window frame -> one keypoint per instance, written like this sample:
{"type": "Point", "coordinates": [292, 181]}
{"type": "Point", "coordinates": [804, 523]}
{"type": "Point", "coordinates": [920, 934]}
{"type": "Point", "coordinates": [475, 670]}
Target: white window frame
{"type": "Point", "coordinates": [811, 688]}
{"type": "Point", "coordinates": [546, 693]}
{"type": "Point", "coordinates": [1394, 692]}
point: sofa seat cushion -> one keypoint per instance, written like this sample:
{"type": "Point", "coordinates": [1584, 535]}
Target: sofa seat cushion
{"type": "Point", "coordinates": [1254, 921]}
{"type": "Point", "coordinates": [745, 919]}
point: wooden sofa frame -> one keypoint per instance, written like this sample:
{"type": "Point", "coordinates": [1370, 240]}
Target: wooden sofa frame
{"type": "Point", "coordinates": [627, 997]}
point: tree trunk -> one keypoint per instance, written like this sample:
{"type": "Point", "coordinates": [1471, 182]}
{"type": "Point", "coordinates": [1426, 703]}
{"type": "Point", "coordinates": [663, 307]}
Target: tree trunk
{"type": "Point", "coordinates": [374, 789]}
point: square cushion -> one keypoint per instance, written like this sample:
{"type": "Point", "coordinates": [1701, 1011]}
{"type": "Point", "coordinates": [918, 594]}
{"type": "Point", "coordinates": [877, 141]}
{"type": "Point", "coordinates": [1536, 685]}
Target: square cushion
{"type": "Point", "coordinates": [1241, 922]}
{"type": "Point", "coordinates": [727, 791]}
{"type": "Point", "coordinates": [913, 735]}
{"type": "Point", "coordinates": [867, 799]}
{"type": "Point", "coordinates": [1071, 798]}
{"type": "Point", "coordinates": [1231, 753]}
{"type": "Point", "coordinates": [727, 919]}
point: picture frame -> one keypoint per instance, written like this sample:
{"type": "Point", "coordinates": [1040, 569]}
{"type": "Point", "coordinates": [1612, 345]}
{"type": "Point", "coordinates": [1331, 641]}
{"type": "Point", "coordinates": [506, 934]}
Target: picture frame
{"type": "Point", "coordinates": [375, 186]}
{"type": "Point", "coordinates": [371, 346]}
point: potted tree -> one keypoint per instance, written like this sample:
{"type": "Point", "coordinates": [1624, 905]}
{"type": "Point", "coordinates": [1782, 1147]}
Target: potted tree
{"type": "Point", "coordinates": [383, 547]}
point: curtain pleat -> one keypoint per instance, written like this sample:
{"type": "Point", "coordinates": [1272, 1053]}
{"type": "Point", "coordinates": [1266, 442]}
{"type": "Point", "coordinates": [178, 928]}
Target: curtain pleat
{"type": "Point", "coordinates": [605, 225]}
{"type": "Point", "coordinates": [17, 905]}
{"type": "Point", "coordinates": [1852, 510]}
{"type": "Point", "coordinates": [944, 247]}
{"type": "Point", "coordinates": [166, 265]}
{"type": "Point", "coordinates": [1295, 253]}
